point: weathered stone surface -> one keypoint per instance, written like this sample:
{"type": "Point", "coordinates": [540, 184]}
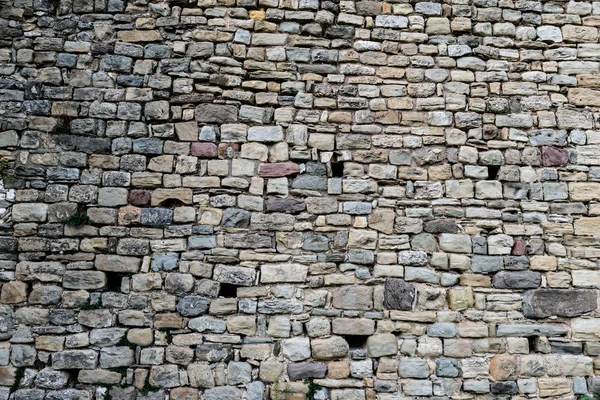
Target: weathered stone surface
{"type": "Point", "coordinates": [301, 371]}
{"type": "Point", "coordinates": [273, 170]}
{"type": "Point", "coordinates": [517, 280]}
{"type": "Point", "coordinates": [216, 113]}
{"type": "Point", "coordinates": [329, 349]}
{"type": "Point", "coordinates": [192, 306]}
{"type": "Point", "coordinates": [353, 298]}
{"type": "Point", "coordinates": [544, 303]}
{"type": "Point", "coordinates": [75, 359]}
{"type": "Point", "coordinates": [383, 344]}
{"type": "Point", "coordinates": [398, 294]}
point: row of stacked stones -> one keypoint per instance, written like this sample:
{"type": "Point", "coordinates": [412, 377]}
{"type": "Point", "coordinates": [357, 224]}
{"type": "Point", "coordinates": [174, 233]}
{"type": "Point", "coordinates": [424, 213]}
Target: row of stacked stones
{"type": "Point", "coordinates": [290, 199]}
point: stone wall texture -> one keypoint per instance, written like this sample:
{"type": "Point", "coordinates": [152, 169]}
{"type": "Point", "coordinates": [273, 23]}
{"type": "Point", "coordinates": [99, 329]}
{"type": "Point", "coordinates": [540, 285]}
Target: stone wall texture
{"type": "Point", "coordinates": [290, 199]}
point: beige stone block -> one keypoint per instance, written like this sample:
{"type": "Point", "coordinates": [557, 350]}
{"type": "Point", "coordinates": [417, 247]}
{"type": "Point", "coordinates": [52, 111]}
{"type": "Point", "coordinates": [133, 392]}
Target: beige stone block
{"type": "Point", "coordinates": [549, 387]}
{"type": "Point", "coordinates": [14, 292]}
{"type": "Point", "coordinates": [460, 298]}
{"type": "Point", "coordinates": [585, 278]}
{"type": "Point", "coordinates": [543, 263]}
{"type": "Point", "coordinates": [139, 36]}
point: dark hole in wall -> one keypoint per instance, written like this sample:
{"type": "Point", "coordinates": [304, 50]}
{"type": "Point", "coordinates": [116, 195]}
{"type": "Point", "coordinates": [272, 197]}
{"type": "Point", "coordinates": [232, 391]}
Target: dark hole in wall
{"type": "Point", "coordinates": [532, 344]}
{"type": "Point", "coordinates": [337, 167]}
{"type": "Point", "coordinates": [113, 281]}
{"type": "Point", "coordinates": [493, 172]}
{"type": "Point", "coordinates": [356, 341]}
{"type": "Point", "coordinates": [228, 290]}
{"type": "Point", "coordinates": [171, 203]}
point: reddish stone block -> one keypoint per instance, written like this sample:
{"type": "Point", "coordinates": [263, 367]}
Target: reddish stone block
{"type": "Point", "coordinates": [204, 150]}
{"type": "Point", "coordinates": [140, 198]}
{"type": "Point", "coordinates": [519, 248]}
{"type": "Point", "coordinates": [554, 156]}
{"type": "Point", "coordinates": [275, 170]}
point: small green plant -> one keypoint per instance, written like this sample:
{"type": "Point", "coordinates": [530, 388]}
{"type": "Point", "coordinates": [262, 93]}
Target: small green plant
{"type": "Point", "coordinates": [79, 218]}
{"type": "Point", "coordinates": [287, 391]}
{"type": "Point", "coordinates": [125, 342]}
{"type": "Point", "coordinates": [148, 388]}
{"type": "Point", "coordinates": [6, 171]}
{"type": "Point", "coordinates": [167, 333]}
{"type": "Point", "coordinates": [588, 397]}
{"type": "Point", "coordinates": [277, 392]}
{"type": "Point", "coordinates": [88, 305]}
{"type": "Point", "coordinates": [313, 388]}
{"type": "Point", "coordinates": [19, 374]}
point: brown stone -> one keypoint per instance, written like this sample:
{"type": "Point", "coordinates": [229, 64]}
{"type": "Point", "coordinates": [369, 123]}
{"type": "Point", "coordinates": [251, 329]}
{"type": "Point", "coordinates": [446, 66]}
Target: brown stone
{"type": "Point", "coordinates": [338, 370]}
{"type": "Point", "coordinates": [139, 36]}
{"type": "Point", "coordinates": [168, 320]}
{"type": "Point", "coordinates": [171, 197]}
{"type": "Point", "coordinates": [14, 292]}
{"type": "Point", "coordinates": [7, 376]}
{"type": "Point", "coordinates": [504, 368]}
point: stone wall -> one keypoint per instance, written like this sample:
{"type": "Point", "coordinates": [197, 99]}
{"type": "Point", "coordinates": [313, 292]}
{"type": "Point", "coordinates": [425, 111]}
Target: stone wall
{"type": "Point", "coordinates": [289, 199]}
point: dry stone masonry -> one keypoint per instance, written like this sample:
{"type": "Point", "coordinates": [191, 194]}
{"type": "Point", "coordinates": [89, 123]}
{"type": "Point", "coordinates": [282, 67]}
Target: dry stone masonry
{"type": "Point", "coordinates": [299, 199]}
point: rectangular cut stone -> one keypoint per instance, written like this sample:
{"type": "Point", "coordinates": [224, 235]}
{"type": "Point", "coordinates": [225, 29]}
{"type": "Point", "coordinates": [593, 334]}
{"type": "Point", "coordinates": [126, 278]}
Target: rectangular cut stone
{"type": "Point", "coordinates": [265, 133]}
{"type": "Point", "coordinates": [588, 155]}
{"type": "Point", "coordinates": [269, 39]}
{"type": "Point", "coordinates": [586, 329]}
{"type": "Point", "coordinates": [531, 330]}
{"type": "Point", "coordinates": [114, 263]}
{"type": "Point", "coordinates": [275, 170]}
{"type": "Point", "coordinates": [587, 226]}
{"type": "Point", "coordinates": [584, 191]}
{"type": "Point", "coordinates": [75, 359]}
{"type": "Point", "coordinates": [139, 36]}
{"type": "Point", "coordinates": [272, 273]}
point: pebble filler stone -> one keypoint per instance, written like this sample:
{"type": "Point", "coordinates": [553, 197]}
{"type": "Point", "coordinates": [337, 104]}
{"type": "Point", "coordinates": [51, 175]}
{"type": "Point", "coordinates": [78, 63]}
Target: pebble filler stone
{"type": "Point", "coordinates": [299, 199]}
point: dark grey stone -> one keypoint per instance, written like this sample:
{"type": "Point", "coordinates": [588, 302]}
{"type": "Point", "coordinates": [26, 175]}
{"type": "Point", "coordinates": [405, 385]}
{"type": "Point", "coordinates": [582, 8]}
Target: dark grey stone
{"type": "Point", "coordinates": [518, 263]}
{"type": "Point", "coordinates": [289, 206]}
{"type": "Point", "coordinates": [192, 306]}
{"type": "Point", "coordinates": [517, 280]}
{"type": "Point", "coordinates": [214, 352]}
{"type": "Point", "coordinates": [148, 146]}
{"type": "Point", "coordinates": [508, 387]}
{"type": "Point", "coordinates": [441, 226]}
{"type": "Point", "coordinates": [398, 295]}
{"type": "Point", "coordinates": [157, 216]}
{"type": "Point", "coordinates": [216, 113]}
{"type": "Point", "coordinates": [116, 63]}
{"type": "Point", "coordinates": [544, 303]}
{"type": "Point", "coordinates": [91, 145]}
{"type": "Point", "coordinates": [235, 218]}
{"type": "Point", "coordinates": [248, 240]}
{"type": "Point", "coordinates": [298, 371]}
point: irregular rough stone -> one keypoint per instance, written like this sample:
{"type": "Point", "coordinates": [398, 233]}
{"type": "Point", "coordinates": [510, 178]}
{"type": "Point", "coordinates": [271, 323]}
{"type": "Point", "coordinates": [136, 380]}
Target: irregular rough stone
{"type": "Point", "coordinates": [543, 303]}
{"type": "Point", "coordinates": [329, 349]}
{"type": "Point", "coordinates": [517, 280]}
{"type": "Point", "coordinates": [398, 295]}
